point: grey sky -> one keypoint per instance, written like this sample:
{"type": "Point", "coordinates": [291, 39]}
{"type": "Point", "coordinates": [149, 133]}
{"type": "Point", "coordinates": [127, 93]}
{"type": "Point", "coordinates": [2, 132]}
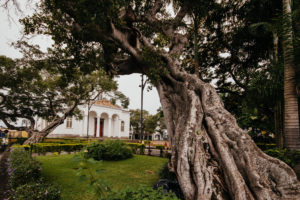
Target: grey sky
{"type": "Point", "coordinates": [11, 30]}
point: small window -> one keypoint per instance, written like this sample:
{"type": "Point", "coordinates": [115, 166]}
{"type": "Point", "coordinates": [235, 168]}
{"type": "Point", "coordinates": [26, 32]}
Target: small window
{"type": "Point", "coordinates": [25, 123]}
{"type": "Point", "coordinates": [69, 122]}
{"type": "Point", "coordinates": [122, 126]}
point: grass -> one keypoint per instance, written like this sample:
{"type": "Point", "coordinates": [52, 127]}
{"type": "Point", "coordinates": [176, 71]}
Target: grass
{"type": "Point", "coordinates": [133, 172]}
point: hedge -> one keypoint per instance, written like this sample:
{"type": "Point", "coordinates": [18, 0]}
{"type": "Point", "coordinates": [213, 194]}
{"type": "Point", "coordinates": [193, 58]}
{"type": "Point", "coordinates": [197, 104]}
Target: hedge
{"type": "Point", "coordinates": [137, 146]}
{"type": "Point", "coordinates": [42, 148]}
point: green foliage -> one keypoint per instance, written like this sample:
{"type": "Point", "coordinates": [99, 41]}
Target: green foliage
{"type": "Point", "coordinates": [144, 193]}
{"type": "Point", "coordinates": [108, 150]}
{"type": "Point", "coordinates": [36, 191]}
{"type": "Point", "coordinates": [137, 147]}
{"type": "Point", "coordinates": [42, 148]}
{"type": "Point", "coordinates": [49, 86]}
{"type": "Point", "coordinates": [290, 157]}
{"type": "Point", "coordinates": [22, 168]}
{"type": "Point", "coordinates": [151, 123]}
{"type": "Point", "coordinates": [135, 116]}
{"type": "Point", "coordinates": [86, 173]}
{"type": "Point", "coordinates": [156, 65]}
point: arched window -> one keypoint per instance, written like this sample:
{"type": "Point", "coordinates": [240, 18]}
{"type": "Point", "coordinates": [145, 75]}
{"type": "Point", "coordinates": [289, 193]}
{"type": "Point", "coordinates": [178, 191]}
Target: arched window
{"type": "Point", "coordinates": [25, 123]}
{"type": "Point", "coordinates": [122, 126]}
{"type": "Point", "coordinates": [69, 122]}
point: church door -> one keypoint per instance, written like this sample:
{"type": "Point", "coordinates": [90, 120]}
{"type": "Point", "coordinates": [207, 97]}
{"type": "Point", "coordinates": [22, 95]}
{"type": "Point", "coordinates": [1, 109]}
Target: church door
{"type": "Point", "coordinates": [101, 127]}
{"type": "Point", "coordinates": [95, 127]}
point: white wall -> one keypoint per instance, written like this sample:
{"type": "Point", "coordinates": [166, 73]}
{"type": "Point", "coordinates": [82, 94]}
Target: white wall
{"type": "Point", "coordinates": [79, 127]}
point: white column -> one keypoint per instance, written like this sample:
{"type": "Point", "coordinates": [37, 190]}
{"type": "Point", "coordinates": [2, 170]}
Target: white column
{"type": "Point", "coordinates": [98, 126]}
{"type": "Point", "coordinates": [84, 126]}
{"type": "Point", "coordinates": [109, 129]}
{"type": "Point", "coordinates": [119, 127]}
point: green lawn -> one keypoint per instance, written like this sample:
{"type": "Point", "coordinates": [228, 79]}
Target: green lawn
{"type": "Point", "coordinates": [133, 172]}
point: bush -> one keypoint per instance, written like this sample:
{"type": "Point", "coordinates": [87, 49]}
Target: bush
{"type": "Point", "coordinates": [94, 150]}
{"type": "Point", "coordinates": [137, 147]}
{"type": "Point", "coordinates": [22, 168]}
{"type": "Point", "coordinates": [36, 191]}
{"type": "Point", "coordinates": [144, 193]}
{"type": "Point", "coordinates": [116, 150]}
{"type": "Point", "coordinates": [108, 150]}
{"type": "Point", "coordinates": [290, 157]}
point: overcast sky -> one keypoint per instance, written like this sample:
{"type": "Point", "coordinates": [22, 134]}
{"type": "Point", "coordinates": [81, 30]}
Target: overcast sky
{"type": "Point", "coordinates": [11, 30]}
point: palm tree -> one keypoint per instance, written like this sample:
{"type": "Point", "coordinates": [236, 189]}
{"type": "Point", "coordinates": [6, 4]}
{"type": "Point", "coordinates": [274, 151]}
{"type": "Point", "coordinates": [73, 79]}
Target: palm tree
{"type": "Point", "coordinates": [291, 119]}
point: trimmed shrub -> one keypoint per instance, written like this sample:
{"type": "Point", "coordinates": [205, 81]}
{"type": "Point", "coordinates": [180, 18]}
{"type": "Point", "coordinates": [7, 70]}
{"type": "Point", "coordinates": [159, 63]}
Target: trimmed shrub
{"type": "Point", "coordinates": [137, 147]}
{"type": "Point", "coordinates": [22, 168]}
{"type": "Point", "coordinates": [108, 150]}
{"type": "Point", "coordinates": [115, 150]}
{"type": "Point", "coordinates": [43, 148]}
{"type": "Point", "coordinates": [36, 191]}
{"type": "Point", "coordinates": [144, 193]}
{"type": "Point", "coordinates": [94, 150]}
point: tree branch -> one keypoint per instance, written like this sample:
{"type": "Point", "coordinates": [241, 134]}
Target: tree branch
{"type": "Point", "coordinates": [10, 126]}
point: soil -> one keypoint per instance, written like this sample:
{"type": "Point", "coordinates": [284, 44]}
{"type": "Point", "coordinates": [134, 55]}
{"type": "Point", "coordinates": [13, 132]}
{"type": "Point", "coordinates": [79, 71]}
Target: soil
{"type": "Point", "coordinates": [3, 175]}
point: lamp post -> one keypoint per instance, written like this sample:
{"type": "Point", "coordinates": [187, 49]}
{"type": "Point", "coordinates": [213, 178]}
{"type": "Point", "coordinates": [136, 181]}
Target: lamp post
{"type": "Point", "coordinates": [143, 84]}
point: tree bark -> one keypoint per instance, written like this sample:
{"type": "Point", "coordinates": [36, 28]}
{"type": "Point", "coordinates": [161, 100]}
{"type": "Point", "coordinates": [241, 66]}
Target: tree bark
{"type": "Point", "coordinates": [212, 157]}
{"type": "Point", "coordinates": [38, 136]}
{"type": "Point", "coordinates": [291, 116]}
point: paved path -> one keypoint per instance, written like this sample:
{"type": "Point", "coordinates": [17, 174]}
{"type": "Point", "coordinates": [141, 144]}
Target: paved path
{"type": "Point", "coordinates": [3, 174]}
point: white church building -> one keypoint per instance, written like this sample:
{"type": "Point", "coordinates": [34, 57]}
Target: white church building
{"type": "Point", "coordinates": [103, 119]}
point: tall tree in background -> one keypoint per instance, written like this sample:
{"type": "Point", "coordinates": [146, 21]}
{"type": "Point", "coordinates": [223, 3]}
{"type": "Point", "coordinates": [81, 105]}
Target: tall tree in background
{"type": "Point", "coordinates": [291, 115]}
{"type": "Point", "coordinates": [213, 158]}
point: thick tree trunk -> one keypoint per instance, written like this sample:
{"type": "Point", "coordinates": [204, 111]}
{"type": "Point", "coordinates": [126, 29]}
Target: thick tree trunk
{"type": "Point", "coordinates": [38, 136]}
{"type": "Point", "coordinates": [212, 157]}
{"type": "Point", "coordinates": [291, 117]}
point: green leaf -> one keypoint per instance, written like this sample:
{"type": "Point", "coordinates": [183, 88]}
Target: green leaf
{"type": "Point", "coordinates": [253, 117]}
{"type": "Point", "coordinates": [98, 171]}
{"type": "Point", "coordinates": [83, 178]}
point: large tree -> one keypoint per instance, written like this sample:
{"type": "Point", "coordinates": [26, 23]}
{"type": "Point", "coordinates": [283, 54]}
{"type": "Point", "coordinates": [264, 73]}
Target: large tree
{"type": "Point", "coordinates": [212, 157]}
{"type": "Point", "coordinates": [49, 88]}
